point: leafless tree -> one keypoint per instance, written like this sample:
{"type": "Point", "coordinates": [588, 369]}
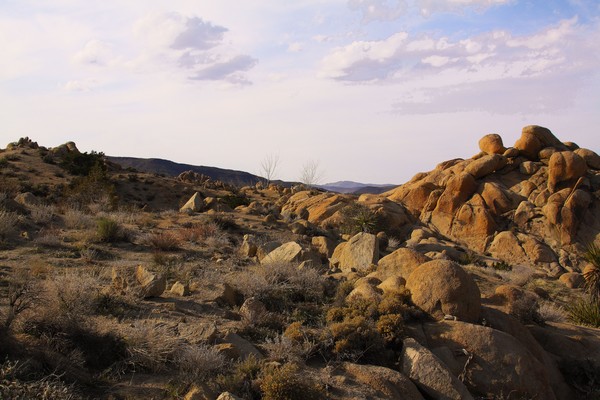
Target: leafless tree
{"type": "Point", "coordinates": [268, 166]}
{"type": "Point", "coordinates": [311, 174]}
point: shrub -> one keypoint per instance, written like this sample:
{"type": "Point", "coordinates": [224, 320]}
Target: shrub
{"type": "Point", "coordinates": [241, 377]}
{"type": "Point", "coordinates": [8, 224]}
{"type": "Point", "coordinates": [234, 201]}
{"type": "Point", "coordinates": [82, 163]}
{"type": "Point", "coordinates": [43, 214]}
{"type": "Point", "coordinates": [200, 232]}
{"type": "Point", "coordinates": [502, 266]}
{"type": "Point", "coordinates": [358, 218]}
{"type": "Point", "coordinates": [585, 311]}
{"type": "Point", "coordinates": [286, 382]}
{"type": "Point", "coordinates": [77, 219]}
{"type": "Point", "coordinates": [200, 361]}
{"type": "Point", "coordinates": [391, 328]}
{"type": "Point", "coordinates": [548, 312]}
{"type": "Point", "coordinates": [108, 230]}
{"type": "Point", "coordinates": [354, 338]}
{"type": "Point", "coordinates": [284, 349]}
{"type": "Point", "coordinates": [592, 273]}
{"type": "Point", "coordinates": [16, 383]}
{"type": "Point", "coordinates": [164, 241]}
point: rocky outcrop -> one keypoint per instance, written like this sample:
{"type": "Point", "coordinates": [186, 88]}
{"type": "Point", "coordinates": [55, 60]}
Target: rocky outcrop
{"type": "Point", "coordinates": [194, 204]}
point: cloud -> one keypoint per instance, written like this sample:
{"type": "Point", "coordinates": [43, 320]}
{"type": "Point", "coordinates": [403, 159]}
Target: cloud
{"type": "Point", "coordinates": [379, 10]}
{"type": "Point", "coordinates": [440, 71]}
{"type": "Point", "coordinates": [171, 42]}
{"type": "Point", "coordinates": [85, 85]}
{"type": "Point", "coordinates": [295, 47]}
{"type": "Point", "coordinates": [95, 52]}
{"type": "Point", "coordinates": [228, 70]}
{"type": "Point", "coordinates": [389, 10]}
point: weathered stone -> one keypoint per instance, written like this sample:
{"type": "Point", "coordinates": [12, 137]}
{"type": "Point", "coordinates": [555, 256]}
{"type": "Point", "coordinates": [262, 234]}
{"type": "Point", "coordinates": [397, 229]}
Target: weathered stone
{"type": "Point", "coordinates": [565, 166]}
{"type": "Point", "coordinates": [591, 158]}
{"type": "Point", "coordinates": [442, 288]}
{"type": "Point", "coordinates": [287, 252]}
{"type": "Point", "coordinates": [180, 289]}
{"type": "Point", "coordinates": [359, 253]}
{"type": "Point", "coordinates": [572, 280]}
{"type": "Point", "coordinates": [153, 285]}
{"type": "Point", "coordinates": [194, 204]}
{"type": "Point", "coordinates": [228, 396]}
{"type": "Point", "coordinates": [388, 383]}
{"type": "Point", "coordinates": [500, 364]}
{"type": "Point", "coordinates": [430, 374]}
{"type": "Point", "coordinates": [492, 144]}
{"type": "Point", "coordinates": [528, 168]}
{"type": "Point", "coordinates": [248, 247]}
{"type": "Point", "coordinates": [402, 262]}
{"type": "Point", "coordinates": [243, 347]}
{"type": "Point", "coordinates": [199, 391]}
{"type": "Point", "coordinates": [485, 165]}
{"type": "Point", "coordinates": [506, 247]}
{"type": "Point", "coordinates": [323, 245]}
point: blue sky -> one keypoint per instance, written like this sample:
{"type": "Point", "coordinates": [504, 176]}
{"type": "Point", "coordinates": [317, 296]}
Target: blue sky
{"type": "Point", "coordinates": [375, 90]}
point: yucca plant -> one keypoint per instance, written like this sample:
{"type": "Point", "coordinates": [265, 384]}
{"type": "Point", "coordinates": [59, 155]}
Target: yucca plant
{"type": "Point", "coordinates": [585, 311]}
{"type": "Point", "coordinates": [592, 272]}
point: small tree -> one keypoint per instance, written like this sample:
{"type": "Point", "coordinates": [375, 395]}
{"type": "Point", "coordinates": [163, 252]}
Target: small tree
{"type": "Point", "coordinates": [311, 174]}
{"type": "Point", "coordinates": [268, 166]}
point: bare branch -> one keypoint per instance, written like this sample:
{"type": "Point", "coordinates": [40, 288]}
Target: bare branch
{"type": "Point", "coordinates": [268, 166]}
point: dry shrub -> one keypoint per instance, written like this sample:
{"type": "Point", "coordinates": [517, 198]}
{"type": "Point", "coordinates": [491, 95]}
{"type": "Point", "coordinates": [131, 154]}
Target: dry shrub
{"type": "Point", "coordinates": [77, 219]}
{"type": "Point", "coordinates": [69, 297]}
{"type": "Point", "coordinates": [208, 232]}
{"type": "Point", "coordinates": [163, 241]}
{"type": "Point", "coordinates": [282, 348]}
{"type": "Point", "coordinates": [151, 344]}
{"type": "Point", "coordinates": [197, 362]}
{"type": "Point", "coordinates": [548, 312]}
{"type": "Point", "coordinates": [8, 224]}
{"type": "Point", "coordinates": [18, 382]}
{"type": "Point", "coordinates": [43, 214]}
{"type": "Point", "coordinates": [519, 275]}
{"type": "Point", "coordinates": [49, 238]}
{"type": "Point", "coordinates": [280, 285]}
{"type": "Point", "coordinates": [354, 338]}
{"type": "Point", "coordinates": [287, 382]}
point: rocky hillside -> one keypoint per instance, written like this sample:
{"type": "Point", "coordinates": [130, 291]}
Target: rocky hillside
{"type": "Point", "coordinates": [477, 280]}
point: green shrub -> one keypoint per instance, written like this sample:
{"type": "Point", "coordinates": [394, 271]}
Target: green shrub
{"type": "Point", "coordinates": [354, 338]}
{"type": "Point", "coordinates": [287, 383]}
{"type": "Point", "coordinates": [108, 230]}
{"type": "Point", "coordinates": [82, 163]}
{"type": "Point", "coordinates": [502, 266]}
{"type": "Point", "coordinates": [585, 311]}
{"type": "Point", "coordinates": [592, 273]}
{"type": "Point", "coordinates": [233, 200]}
{"type": "Point", "coordinates": [359, 218]}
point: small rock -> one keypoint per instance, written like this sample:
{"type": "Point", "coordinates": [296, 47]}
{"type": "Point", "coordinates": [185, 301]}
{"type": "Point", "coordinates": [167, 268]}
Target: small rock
{"type": "Point", "coordinates": [180, 289]}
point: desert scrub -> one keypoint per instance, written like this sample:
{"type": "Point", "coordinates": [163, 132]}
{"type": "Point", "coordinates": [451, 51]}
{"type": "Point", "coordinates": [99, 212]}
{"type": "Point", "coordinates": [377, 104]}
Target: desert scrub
{"type": "Point", "coordinates": [280, 286]}
{"type": "Point", "coordinates": [287, 382]}
{"type": "Point", "coordinates": [359, 218]}
{"type": "Point", "coordinates": [77, 219]}
{"type": "Point", "coordinates": [241, 378]}
{"type": "Point", "coordinates": [18, 382]}
{"type": "Point", "coordinates": [43, 214]}
{"type": "Point", "coordinates": [355, 338]}
{"type": "Point", "coordinates": [592, 271]}
{"type": "Point", "coordinates": [585, 311]}
{"type": "Point", "coordinates": [8, 224]}
{"type": "Point", "coordinates": [163, 241]}
{"type": "Point", "coordinates": [108, 230]}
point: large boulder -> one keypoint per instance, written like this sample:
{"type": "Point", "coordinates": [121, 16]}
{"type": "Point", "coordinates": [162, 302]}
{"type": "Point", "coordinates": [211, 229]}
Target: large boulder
{"type": "Point", "coordinates": [359, 253]}
{"type": "Point", "coordinates": [442, 287]}
{"type": "Point", "coordinates": [591, 158]}
{"type": "Point", "coordinates": [565, 166]}
{"type": "Point", "coordinates": [534, 138]}
{"type": "Point", "coordinates": [430, 374]}
{"type": "Point", "coordinates": [194, 204]}
{"type": "Point", "coordinates": [287, 252]}
{"type": "Point", "coordinates": [485, 165]}
{"type": "Point", "coordinates": [401, 262]}
{"type": "Point", "coordinates": [499, 363]}
{"type": "Point", "coordinates": [388, 382]}
{"type": "Point", "coordinates": [492, 144]}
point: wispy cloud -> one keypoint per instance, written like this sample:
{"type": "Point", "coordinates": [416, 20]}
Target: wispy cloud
{"type": "Point", "coordinates": [436, 72]}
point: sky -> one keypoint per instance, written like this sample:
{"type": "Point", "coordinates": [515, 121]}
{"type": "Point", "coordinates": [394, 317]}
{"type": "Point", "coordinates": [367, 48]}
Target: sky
{"type": "Point", "coordinates": [373, 91]}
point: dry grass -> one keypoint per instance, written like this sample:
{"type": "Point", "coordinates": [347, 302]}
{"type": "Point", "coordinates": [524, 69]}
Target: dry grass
{"type": "Point", "coordinates": [77, 219]}
{"type": "Point", "coordinates": [43, 214]}
{"type": "Point", "coordinates": [198, 362]}
{"type": "Point", "coordinates": [163, 241]}
{"type": "Point", "coordinates": [548, 312]}
{"type": "Point", "coordinates": [8, 224]}
{"type": "Point", "coordinates": [519, 275]}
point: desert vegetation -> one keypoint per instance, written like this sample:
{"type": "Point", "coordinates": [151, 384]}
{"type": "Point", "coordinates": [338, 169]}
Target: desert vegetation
{"type": "Point", "coordinates": [122, 284]}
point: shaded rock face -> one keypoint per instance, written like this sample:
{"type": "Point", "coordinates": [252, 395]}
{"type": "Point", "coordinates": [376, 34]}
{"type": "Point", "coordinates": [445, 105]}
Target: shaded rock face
{"type": "Point", "coordinates": [500, 363]}
{"type": "Point", "coordinates": [430, 374]}
{"type": "Point", "coordinates": [442, 287]}
{"type": "Point", "coordinates": [390, 383]}
{"type": "Point", "coordinates": [358, 253]}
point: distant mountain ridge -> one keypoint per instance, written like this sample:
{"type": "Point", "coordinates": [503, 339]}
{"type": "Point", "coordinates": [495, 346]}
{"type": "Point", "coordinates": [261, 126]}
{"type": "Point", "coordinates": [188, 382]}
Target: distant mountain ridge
{"type": "Point", "coordinates": [357, 187]}
{"type": "Point", "coordinates": [171, 168]}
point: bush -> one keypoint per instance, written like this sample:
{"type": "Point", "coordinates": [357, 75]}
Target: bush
{"type": "Point", "coordinates": [585, 311]}
{"type": "Point", "coordinates": [108, 230]}
{"type": "Point", "coordinates": [163, 241]}
{"type": "Point", "coordinates": [286, 382]}
{"type": "Point", "coordinates": [199, 362]}
{"type": "Point", "coordinates": [240, 380]}
{"type": "Point", "coordinates": [82, 163]}
{"type": "Point", "coordinates": [359, 218]}
{"type": "Point", "coordinates": [354, 338]}
{"type": "Point", "coordinates": [592, 273]}
{"type": "Point", "coordinates": [8, 224]}
{"type": "Point", "coordinates": [234, 201]}
{"type": "Point", "coordinates": [16, 383]}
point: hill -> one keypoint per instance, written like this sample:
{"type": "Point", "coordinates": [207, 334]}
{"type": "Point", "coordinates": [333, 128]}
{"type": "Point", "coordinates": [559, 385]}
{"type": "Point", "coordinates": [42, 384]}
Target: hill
{"type": "Point", "coordinates": [478, 279]}
{"type": "Point", "coordinates": [170, 168]}
{"type": "Point", "coordinates": [356, 187]}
